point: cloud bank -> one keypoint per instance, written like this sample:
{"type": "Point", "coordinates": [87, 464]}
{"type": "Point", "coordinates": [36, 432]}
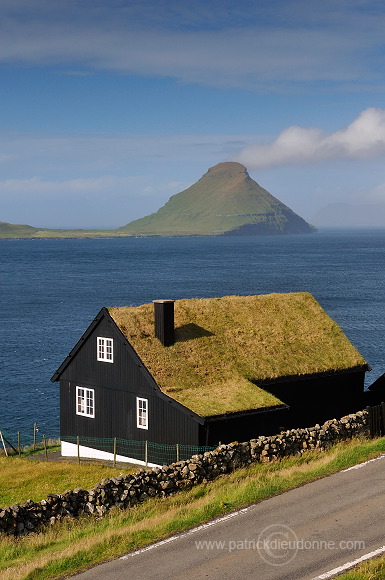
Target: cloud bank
{"type": "Point", "coordinates": [254, 45]}
{"type": "Point", "coordinates": [363, 139]}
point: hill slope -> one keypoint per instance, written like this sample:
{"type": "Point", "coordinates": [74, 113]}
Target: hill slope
{"type": "Point", "coordinates": [16, 231]}
{"type": "Point", "coordinates": [224, 201]}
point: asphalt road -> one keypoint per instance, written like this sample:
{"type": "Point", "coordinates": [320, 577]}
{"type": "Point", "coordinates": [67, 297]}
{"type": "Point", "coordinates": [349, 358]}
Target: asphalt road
{"type": "Point", "coordinates": [299, 535]}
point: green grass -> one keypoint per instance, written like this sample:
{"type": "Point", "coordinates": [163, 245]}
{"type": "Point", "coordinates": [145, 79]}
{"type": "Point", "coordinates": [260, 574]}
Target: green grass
{"type": "Point", "coordinates": [22, 478]}
{"type": "Point", "coordinates": [46, 233]}
{"type": "Point", "coordinates": [224, 347]}
{"type": "Point", "coordinates": [29, 450]}
{"type": "Point", "coordinates": [19, 231]}
{"type": "Point", "coordinates": [370, 570]}
{"type": "Point", "coordinates": [75, 545]}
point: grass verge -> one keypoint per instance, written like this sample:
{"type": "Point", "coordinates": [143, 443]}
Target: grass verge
{"type": "Point", "coordinates": [75, 545]}
{"type": "Point", "coordinates": [22, 478]}
{"type": "Point", "coordinates": [370, 570]}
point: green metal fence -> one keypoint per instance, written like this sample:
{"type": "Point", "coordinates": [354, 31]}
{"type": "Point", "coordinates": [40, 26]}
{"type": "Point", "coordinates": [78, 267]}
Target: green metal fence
{"type": "Point", "coordinates": [146, 451]}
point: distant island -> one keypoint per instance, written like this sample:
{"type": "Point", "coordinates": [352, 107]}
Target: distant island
{"type": "Point", "coordinates": [22, 231]}
{"type": "Point", "coordinates": [225, 201]}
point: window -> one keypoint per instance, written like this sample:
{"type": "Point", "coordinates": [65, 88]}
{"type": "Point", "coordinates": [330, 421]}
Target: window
{"type": "Point", "coordinates": [105, 349]}
{"type": "Point", "coordinates": [141, 413]}
{"type": "Point", "coordinates": [85, 402]}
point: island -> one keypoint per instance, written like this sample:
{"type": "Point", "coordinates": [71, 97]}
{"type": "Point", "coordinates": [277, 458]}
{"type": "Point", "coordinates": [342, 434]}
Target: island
{"type": "Point", "coordinates": [225, 201]}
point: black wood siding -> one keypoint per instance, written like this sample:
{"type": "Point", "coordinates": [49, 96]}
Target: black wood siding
{"type": "Point", "coordinates": [320, 398]}
{"type": "Point", "coordinates": [115, 416]}
{"type": "Point", "coordinates": [245, 426]}
{"type": "Point", "coordinates": [122, 374]}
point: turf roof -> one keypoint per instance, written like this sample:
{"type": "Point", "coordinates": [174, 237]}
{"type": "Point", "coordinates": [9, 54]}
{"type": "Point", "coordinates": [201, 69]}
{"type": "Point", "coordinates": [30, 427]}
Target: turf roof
{"type": "Point", "coordinates": [225, 346]}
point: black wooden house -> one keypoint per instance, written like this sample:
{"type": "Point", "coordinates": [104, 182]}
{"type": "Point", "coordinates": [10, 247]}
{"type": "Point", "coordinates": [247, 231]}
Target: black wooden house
{"type": "Point", "coordinates": [200, 371]}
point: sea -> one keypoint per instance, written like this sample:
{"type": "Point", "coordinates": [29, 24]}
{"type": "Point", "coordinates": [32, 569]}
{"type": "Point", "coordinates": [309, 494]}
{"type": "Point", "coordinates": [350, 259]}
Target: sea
{"type": "Point", "coordinates": [51, 290]}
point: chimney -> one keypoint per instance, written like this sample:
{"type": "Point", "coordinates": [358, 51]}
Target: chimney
{"type": "Point", "coordinates": [164, 321]}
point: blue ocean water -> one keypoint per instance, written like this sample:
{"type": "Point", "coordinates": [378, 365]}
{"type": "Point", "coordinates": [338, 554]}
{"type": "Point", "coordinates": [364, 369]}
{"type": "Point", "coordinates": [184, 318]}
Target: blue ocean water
{"type": "Point", "coordinates": [52, 289]}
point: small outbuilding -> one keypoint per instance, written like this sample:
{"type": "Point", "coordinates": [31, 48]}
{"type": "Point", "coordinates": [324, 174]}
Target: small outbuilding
{"type": "Point", "coordinates": [199, 371]}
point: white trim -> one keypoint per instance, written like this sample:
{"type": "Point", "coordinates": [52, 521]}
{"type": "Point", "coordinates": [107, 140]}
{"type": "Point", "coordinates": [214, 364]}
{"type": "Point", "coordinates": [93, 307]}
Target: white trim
{"type": "Point", "coordinates": [104, 349]}
{"type": "Point", "coordinates": [85, 409]}
{"type": "Point", "coordinates": [71, 450]}
{"type": "Point", "coordinates": [141, 413]}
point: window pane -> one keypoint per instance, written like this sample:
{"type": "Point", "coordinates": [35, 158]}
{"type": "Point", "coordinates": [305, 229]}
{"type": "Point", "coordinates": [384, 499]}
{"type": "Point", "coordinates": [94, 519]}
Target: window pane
{"type": "Point", "coordinates": [105, 349]}
{"type": "Point", "coordinates": [142, 417]}
{"type": "Point", "coordinates": [90, 403]}
{"type": "Point", "coordinates": [85, 402]}
{"type": "Point", "coordinates": [80, 400]}
{"type": "Point", "coordinates": [101, 348]}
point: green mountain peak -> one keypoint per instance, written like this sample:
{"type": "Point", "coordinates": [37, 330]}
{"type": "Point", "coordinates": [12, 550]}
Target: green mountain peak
{"type": "Point", "coordinates": [224, 201]}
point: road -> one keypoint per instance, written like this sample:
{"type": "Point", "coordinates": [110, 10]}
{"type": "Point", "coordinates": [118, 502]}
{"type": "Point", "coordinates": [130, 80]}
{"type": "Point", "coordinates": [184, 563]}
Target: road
{"type": "Point", "coordinates": [302, 534]}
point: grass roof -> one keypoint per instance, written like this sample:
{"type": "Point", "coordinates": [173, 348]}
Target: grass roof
{"type": "Point", "coordinates": [225, 346]}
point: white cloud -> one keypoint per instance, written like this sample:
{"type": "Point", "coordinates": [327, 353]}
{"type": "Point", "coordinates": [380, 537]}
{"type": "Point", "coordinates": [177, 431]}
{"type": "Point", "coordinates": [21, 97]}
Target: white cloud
{"type": "Point", "coordinates": [363, 139]}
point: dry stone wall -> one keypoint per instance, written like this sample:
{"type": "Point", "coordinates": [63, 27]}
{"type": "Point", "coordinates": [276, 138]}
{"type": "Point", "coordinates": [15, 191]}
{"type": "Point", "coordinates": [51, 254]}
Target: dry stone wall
{"type": "Point", "coordinates": [126, 491]}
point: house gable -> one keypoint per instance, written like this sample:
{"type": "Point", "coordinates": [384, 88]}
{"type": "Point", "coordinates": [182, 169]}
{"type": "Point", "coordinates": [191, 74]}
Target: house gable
{"type": "Point", "coordinates": [82, 364]}
{"type": "Point", "coordinates": [117, 387]}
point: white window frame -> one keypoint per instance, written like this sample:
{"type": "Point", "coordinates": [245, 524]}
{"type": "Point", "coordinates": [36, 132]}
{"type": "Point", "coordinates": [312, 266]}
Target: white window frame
{"type": "Point", "coordinates": [85, 402]}
{"type": "Point", "coordinates": [141, 413]}
{"type": "Point", "coordinates": [105, 349]}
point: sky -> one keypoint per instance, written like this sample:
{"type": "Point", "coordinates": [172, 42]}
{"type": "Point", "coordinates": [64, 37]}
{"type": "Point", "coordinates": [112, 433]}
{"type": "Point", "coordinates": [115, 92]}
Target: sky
{"type": "Point", "coordinates": [110, 107]}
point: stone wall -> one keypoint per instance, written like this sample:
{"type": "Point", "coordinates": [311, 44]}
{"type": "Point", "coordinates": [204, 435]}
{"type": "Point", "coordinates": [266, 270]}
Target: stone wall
{"type": "Point", "coordinates": [129, 490]}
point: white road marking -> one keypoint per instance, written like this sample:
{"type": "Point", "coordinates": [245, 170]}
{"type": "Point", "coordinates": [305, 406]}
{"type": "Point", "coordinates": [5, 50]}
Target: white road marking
{"type": "Point", "coordinates": [189, 532]}
{"type": "Point", "coordinates": [359, 465]}
{"type": "Point", "coordinates": [348, 565]}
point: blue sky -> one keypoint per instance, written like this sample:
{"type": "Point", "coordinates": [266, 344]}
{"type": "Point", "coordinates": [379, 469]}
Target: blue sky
{"type": "Point", "coordinates": [109, 107]}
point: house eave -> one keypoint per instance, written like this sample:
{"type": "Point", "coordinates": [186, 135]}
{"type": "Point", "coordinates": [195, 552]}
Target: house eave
{"type": "Point", "coordinates": [305, 377]}
{"type": "Point", "coordinates": [245, 413]}
{"type": "Point", "coordinates": [56, 376]}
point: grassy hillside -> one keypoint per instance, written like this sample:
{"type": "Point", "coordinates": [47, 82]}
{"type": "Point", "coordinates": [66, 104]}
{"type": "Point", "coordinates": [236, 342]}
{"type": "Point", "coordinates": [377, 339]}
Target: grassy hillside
{"type": "Point", "coordinates": [17, 231]}
{"type": "Point", "coordinates": [22, 478]}
{"type": "Point", "coordinates": [224, 201]}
